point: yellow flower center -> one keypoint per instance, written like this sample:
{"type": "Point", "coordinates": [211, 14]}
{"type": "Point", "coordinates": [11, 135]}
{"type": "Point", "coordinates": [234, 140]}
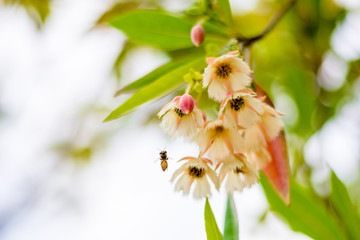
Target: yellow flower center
{"type": "Point", "coordinates": [223, 70]}
{"type": "Point", "coordinates": [196, 172]}
{"type": "Point", "coordinates": [179, 112]}
{"type": "Point", "coordinates": [237, 103]}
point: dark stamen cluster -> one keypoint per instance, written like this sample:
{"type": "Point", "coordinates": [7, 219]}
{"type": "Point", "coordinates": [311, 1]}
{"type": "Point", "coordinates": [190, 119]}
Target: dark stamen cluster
{"type": "Point", "coordinates": [237, 103]}
{"type": "Point", "coordinates": [196, 172]}
{"type": "Point", "coordinates": [238, 170]}
{"type": "Point", "coordinates": [179, 112]}
{"type": "Point", "coordinates": [223, 70]}
{"type": "Point", "coordinates": [219, 129]}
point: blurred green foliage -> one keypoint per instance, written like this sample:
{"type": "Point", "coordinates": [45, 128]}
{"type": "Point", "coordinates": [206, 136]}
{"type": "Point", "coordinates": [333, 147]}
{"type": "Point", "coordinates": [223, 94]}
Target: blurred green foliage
{"type": "Point", "coordinates": [38, 10]}
{"type": "Point", "coordinates": [306, 213]}
{"type": "Point", "coordinates": [344, 207]}
{"type": "Point", "coordinates": [163, 85]}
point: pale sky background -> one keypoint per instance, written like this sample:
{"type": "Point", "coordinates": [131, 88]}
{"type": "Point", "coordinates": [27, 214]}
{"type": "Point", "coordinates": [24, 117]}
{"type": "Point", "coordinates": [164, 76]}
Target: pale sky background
{"type": "Point", "coordinates": [49, 80]}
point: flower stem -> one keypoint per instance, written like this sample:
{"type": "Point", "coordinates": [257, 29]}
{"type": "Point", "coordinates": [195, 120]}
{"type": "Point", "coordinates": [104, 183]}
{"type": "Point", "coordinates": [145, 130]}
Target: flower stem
{"type": "Point", "coordinates": [188, 88]}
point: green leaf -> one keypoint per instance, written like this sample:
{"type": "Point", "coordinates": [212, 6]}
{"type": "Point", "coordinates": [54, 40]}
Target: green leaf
{"type": "Point", "coordinates": [194, 11]}
{"type": "Point", "coordinates": [305, 214]}
{"type": "Point", "coordinates": [214, 28]}
{"type": "Point", "coordinates": [160, 87]}
{"type": "Point", "coordinates": [152, 76]}
{"type": "Point", "coordinates": [231, 227]}
{"type": "Point", "coordinates": [225, 10]}
{"type": "Point", "coordinates": [212, 229]}
{"type": "Point", "coordinates": [118, 9]}
{"type": "Point", "coordinates": [344, 207]}
{"type": "Point", "coordinates": [155, 28]}
{"type": "Point", "coordinates": [206, 5]}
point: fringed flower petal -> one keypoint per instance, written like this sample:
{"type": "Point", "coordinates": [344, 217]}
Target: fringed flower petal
{"type": "Point", "coordinates": [218, 141]}
{"type": "Point", "coordinates": [239, 172]}
{"type": "Point", "coordinates": [226, 73]}
{"type": "Point", "coordinates": [271, 122]}
{"type": "Point", "coordinates": [176, 122]}
{"type": "Point", "coordinates": [195, 170]}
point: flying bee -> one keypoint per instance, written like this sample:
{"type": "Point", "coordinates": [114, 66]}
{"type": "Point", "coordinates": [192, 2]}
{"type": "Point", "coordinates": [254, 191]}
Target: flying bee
{"type": "Point", "coordinates": [163, 159]}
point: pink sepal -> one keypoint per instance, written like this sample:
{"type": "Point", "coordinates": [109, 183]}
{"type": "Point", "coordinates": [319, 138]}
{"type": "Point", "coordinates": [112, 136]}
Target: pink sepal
{"type": "Point", "coordinates": [210, 60]}
{"type": "Point", "coordinates": [234, 53]}
{"type": "Point", "coordinates": [246, 90]}
{"type": "Point", "coordinates": [217, 165]}
{"type": "Point", "coordinates": [280, 113]}
{"type": "Point", "coordinates": [177, 98]}
{"type": "Point", "coordinates": [203, 115]}
{"type": "Point", "coordinates": [240, 155]}
{"type": "Point", "coordinates": [262, 99]}
{"type": "Point", "coordinates": [186, 158]}
{"type": "Point", "coordinates": [222, 106]}
{"type": "Point", "coordinates": [178, 122]}
{"type": "Point", "coordinates": [207, 160]}
{"type": "Point", "coordinates": [250, 107]}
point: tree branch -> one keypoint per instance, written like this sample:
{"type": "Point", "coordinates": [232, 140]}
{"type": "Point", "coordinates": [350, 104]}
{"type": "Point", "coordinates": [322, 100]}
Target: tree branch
{"type": "Point", "coordinates": [275, 19]}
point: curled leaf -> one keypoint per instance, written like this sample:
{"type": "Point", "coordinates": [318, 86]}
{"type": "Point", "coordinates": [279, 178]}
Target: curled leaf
{"type": "Point", "coordinates": [277, 171]}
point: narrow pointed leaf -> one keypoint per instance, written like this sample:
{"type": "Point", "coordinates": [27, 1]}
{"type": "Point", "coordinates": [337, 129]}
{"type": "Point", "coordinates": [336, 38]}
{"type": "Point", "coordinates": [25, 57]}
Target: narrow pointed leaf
{"type": "Point", "coordinates": [277, 171]}
{"type": "Point", "coordinates": [344, 207]}
{"type": "Point", "coordinates": [158, 88]}
{"type": "Point", "coordinates": [231, 226]}
{"type": "Point", "coordinates": [155, 28]}
{"type": "Point", "coordinates": [152, 76]}
{"type": "Point", "coordinates": [117, 9]}
{"type": "Point", "coordinates": [305, 214]}
{"type": "Point", "coordinates": [162, 30]}
{"type": "Point", "coordinates": [211, 227]}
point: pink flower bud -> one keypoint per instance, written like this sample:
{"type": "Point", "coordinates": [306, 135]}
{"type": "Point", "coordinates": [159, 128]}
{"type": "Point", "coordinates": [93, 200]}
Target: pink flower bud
{"type": "Point", "coordinates": [197, 35]}
{"type": "Point", "coordinates": [187, 103]}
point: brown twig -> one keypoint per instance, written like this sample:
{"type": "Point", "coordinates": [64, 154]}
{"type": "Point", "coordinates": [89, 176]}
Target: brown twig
{"type": "Point", "coordinates": [275, 19]}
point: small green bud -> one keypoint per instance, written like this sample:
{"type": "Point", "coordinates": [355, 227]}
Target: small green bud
{"type": "Point", "coordinates": [188, 78]}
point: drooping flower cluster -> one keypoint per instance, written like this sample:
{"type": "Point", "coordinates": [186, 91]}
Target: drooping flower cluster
{"type": "Point", "coordinates": [237, 140]}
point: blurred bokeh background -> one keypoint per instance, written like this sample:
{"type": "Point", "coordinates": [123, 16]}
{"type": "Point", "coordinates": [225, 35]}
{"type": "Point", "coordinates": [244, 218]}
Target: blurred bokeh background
{"type": "Point", "coordinates": [64, 174]}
